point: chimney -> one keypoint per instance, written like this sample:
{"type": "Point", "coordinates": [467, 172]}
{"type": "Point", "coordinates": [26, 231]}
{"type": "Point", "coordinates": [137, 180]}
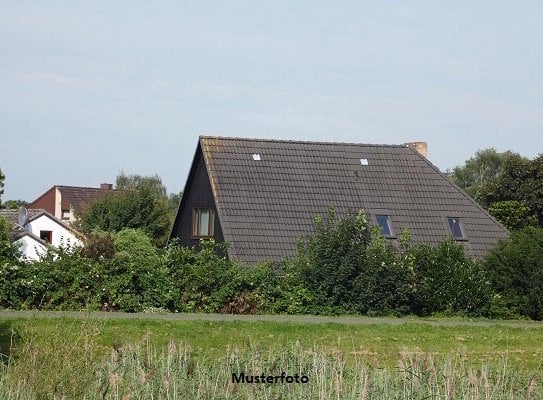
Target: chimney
{"type": "Point", "coordinates": [420, 147]}
{"type": "Point", "coordinates": [106, 186]}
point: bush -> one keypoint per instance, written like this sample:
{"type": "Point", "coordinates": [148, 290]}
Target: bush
{"type": "Point", "coordinates": [382, 288]}
{"type": "Point", "coordinates": [331, 260]}
{"type": "Point", "coordinates": [447, 280]}
{"type": "Point", "coordinates": [136, 278]}
{"type": "Point", "coordinates": [200, 276]}
{"type": "Point", "coordinates": [133, 278]}
{"type": "Point", "coordinates": [135, 209]}
{"type": "Point", "coordinates": [347, 266]}
{"type": "Point", "coordinates": [515, 266]}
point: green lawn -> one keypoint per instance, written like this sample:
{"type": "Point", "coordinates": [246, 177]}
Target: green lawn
{"type": "Point", "coordinates": [466, 350]}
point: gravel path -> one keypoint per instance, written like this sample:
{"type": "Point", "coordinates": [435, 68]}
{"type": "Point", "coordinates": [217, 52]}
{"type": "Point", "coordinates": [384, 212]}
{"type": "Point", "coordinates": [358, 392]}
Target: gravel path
{"type": "Point", "coordinates": [312, 319]}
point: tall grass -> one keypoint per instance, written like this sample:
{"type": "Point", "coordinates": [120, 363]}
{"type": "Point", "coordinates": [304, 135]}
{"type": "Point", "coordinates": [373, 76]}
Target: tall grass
{"type": "Point", "coordinates": [68, 367]}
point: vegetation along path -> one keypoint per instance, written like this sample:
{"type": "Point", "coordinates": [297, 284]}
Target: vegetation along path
{"type": "Point", "coordinates": [311, 319]}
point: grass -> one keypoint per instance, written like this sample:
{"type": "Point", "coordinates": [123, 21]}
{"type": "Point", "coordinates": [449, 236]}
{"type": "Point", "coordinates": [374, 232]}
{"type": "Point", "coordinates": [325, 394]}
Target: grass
{"type": "Point", "coordinates": [76, 358]}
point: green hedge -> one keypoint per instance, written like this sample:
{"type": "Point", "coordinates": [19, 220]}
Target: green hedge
{"type": "Point", "coordinates": [346, 267]}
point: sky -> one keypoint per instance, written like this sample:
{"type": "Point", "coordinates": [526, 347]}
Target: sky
{"type": "Point", "coordinates": [92, 89]}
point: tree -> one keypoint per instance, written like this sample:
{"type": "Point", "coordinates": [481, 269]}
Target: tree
{"type": "Point", "coordinates": [516, 270]}
{"type": "Point", "coordinates": [152, 184]}
{"type": "Point", "coordinates": [332, 258]}
{"type": "Point", "coordinates": [9, 251]}
{"type": "Point", "coordinates": [173, 202]}
{"type": "Point", "coordinates": [5, 230]}
{"type": "Point", "coordinates": [513, 214]}
{"type": "Point", "coordinates": [448, 280]}
{"type": "Point", "coordinates": [2, 177]}
{"type": "Point", "coordinates": [481, 169]}
{"type": "Point", "coordinates": [140, 204]}
{"type": "Point", "coordinates": [520, 180]}
{"type": "Point", "coordinates": [15, 204]}
{"type": "Point", "coordinates": [347, 265]}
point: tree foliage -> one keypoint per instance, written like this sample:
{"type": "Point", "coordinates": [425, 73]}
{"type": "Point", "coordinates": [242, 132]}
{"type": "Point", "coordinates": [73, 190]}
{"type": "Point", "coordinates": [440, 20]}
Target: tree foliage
{"type": "Point", "coordinates": [513, 214]}
{"type": "Point", "coordinates": [2, 177]}
{"type": "Point", "coordinates": [481, 169]}
{"type": "Point", "coordinates": [15, 204]}
{"type": "Point", "coordinates": [447, 280]}
{"type": "Point", "coordinates": [506, 184]}
{"type": "Point", "coordinates": [516, 270]}
{"type": "Point", "coordinates": [348, 267]}
{"type": "Point", "coordinates": [520, 180]}
{"type": "Point", "coordinates": [332, 259]}
{"type": "Point", "coordinates": [5, 230]}
{"type": "Point", "coordinates": [141, 204]}
{"type": "Point", "coordinates": [152, 184]}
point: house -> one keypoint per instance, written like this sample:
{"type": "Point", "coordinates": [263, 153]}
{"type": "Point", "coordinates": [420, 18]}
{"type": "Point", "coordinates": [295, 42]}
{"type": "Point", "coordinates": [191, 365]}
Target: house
{"type": "Point", "coordinates": [260, 196]}
{"type": "Point", "coordinates": [37, 230]}
{"type": "Point", "coordinates": [64, 202]}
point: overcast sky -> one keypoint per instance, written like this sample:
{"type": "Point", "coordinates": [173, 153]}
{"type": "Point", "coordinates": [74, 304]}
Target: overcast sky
{"type": "Point", "coordinates": [90, 90]}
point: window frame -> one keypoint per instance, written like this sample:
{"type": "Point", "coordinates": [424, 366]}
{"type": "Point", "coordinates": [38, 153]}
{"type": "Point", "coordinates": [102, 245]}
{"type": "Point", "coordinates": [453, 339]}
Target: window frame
{"type": "Point", "coordinates": [384, 213]}
{"type": "Point", "coordinates": [196, 223]}
{"type": "Point", "coordinates": [49, 235]}
{"type": "Point", "coordinates": [463, 237]}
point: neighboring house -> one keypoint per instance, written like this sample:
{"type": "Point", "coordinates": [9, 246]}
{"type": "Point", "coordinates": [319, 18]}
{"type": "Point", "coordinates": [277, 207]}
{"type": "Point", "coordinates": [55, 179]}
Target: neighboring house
{"type": "Point", "coordinates": [37, 230]}
{"type": "Point", "coordinates": [64, 202]}
{"type": "Point", "coordinates": [260, 196]}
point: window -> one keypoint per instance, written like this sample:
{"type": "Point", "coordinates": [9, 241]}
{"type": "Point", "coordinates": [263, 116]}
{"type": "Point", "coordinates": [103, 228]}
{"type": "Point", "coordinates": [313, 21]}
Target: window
{"type": "Point", "coordinates": [385, 223]}
{"type": "Point", "coordinates": [65, 214]}
{"type": "Point", "coordinates": [456, 228]}
{"type": "Point", "coordinates": [47, 236]}
{"type": "Point", "coordinates": [202, 222]}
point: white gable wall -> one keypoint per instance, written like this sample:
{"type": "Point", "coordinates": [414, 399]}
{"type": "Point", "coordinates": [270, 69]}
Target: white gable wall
{"type": "Point", "coordinates": [31, 249]}
{"type": "Point", "coordinates": [61, 236]}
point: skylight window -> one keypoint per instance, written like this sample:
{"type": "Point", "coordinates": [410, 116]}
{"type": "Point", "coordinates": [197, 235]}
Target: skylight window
{"type": "Point", "coordinates": [385, 224]}
{"type": "Point", "coordinates": [364, 161]}
{"type": "Point", "coordinates": [256, 157]}
{"type": "Point", "coordinates": [456, 228]}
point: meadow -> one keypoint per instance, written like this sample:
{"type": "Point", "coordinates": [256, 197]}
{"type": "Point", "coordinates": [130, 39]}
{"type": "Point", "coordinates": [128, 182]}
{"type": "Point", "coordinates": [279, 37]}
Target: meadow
{"type": "Point", "coordinates": [90, 356]}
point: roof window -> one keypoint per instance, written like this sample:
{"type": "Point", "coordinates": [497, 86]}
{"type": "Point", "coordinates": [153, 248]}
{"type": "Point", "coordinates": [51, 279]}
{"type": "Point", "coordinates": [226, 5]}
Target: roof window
{"type": "Point", "coordinates": [456, 229]}
{"type": "Point", "coordinates": [385, 224]}
{"type": "Point", "coordinates": [256, 157]}
{"type": "Point", "coordinates": [364, 161]}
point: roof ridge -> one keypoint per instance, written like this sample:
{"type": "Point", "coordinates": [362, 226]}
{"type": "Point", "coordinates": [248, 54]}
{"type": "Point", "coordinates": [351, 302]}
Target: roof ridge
{"type": "Point", "coordinates": [267, 140]}
{"type": "Point", "coordinates": [79, 187]}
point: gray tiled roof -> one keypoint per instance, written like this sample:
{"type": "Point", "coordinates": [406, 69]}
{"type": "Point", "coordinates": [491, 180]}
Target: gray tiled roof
{"type": "Point", "coordinates": [264, 206]}
{"type": "Point", "coordinates": [12, 216]}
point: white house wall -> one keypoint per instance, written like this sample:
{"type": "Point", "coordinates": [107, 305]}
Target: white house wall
{"type": "Point", "coordinates": [31, 249]}
{"type": "Point", "coordinates": [58, 203]}
{"type": "Point", "coordinates": [61, 237]}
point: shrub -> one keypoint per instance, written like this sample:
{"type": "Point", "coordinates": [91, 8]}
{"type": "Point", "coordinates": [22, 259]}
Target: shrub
{"type": "Point", "coordinates": [331, 260]}
{"type": "Point", "coordinates": [382, 288]}
{"type": "Point", "coordinates": [136, 209]}
{"type": "Point", "coordinates": [347, 266]}
{"type": "Point", "coordinates": [200, 276]}
{"type": "Point", "coordinates": [99, 246]}
{"type": "Point", "coordinates": [136, 278]}
{"type": "Point", "coordinates": [515, 266]}
{"type": "Point", "coordinates": [447, 280]}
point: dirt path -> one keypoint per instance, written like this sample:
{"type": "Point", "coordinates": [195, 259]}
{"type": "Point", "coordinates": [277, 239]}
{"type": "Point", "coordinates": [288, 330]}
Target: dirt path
{"type": "Point", "coordinates": [346, 320]}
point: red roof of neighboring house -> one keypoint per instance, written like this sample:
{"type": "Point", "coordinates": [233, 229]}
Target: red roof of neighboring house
{"type": "Point", "coordinates": [79, 197]}
{"type": "Point", "coordinates": [75, 197]}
